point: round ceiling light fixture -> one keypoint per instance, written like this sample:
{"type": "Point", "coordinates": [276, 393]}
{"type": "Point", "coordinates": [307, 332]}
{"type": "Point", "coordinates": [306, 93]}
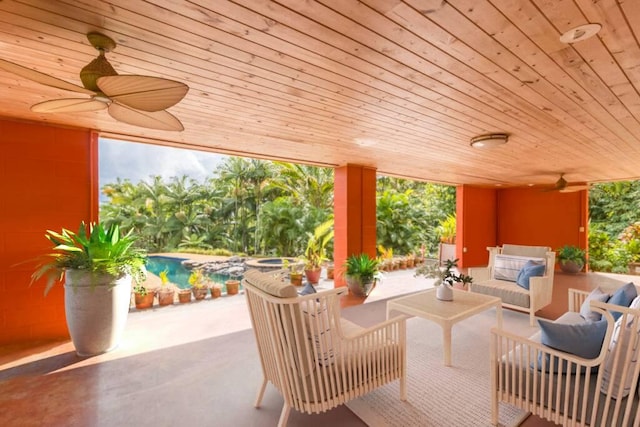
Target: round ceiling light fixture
{"type": "Point", "coordinates": [489, 140]}
{"type": "Point", "coordinates": [580, 33]}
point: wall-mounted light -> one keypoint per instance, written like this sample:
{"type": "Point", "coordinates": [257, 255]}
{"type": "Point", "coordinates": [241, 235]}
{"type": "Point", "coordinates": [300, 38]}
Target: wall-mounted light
{"type": "Point", "coordinates": [489, 140]}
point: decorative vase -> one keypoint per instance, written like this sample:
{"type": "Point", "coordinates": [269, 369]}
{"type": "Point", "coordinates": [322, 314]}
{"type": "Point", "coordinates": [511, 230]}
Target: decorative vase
{"type": "Point", "coordinates": [166, 296]}
{"type": "Point", "coordinates": [233, 286]}
{"type": "Point", "coordinates": [444, 293]}
{"type": "Point", "coordinates": [96, 307]}
{"type": "Point", "coordinates": [144, 300]}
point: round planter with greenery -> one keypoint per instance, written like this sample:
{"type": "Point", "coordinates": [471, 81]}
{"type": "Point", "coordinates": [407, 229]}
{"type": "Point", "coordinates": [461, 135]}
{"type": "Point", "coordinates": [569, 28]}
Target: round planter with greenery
{"type": "Point", "coordinates": [571, 258]}
{"type": "Point", "coordinates": [361, 273]}
{"type": "Point", "coordinates": [97, 265]}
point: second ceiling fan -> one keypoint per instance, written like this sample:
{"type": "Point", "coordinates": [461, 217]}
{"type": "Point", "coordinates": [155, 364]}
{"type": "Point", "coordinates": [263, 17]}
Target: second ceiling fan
{"type": "Point", "coordinates": [563, 186]}
{"type": "Point", "coordinates": [133, 99]}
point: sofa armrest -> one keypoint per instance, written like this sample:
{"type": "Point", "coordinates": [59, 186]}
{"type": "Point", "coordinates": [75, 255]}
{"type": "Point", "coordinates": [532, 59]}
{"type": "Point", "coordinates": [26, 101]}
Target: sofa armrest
{"type": "Point", "coordinates": [540, 292]}
{"type": "Point", "coordinates": [479, 274]}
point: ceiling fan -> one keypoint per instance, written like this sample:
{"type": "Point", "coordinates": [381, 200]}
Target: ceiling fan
{"type": "Point", "coordinates": [563, 186]}
{"type": "Point", "coordinates": [133, 99]}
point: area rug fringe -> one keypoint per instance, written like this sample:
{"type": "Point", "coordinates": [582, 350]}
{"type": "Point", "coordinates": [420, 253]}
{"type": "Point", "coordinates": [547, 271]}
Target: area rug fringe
{"type": "Point", "coordinates": [439, 396]}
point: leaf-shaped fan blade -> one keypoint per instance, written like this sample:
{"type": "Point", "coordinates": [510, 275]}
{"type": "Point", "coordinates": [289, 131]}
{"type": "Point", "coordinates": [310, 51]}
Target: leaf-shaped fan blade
{"type": "Point", "coordinates": [143, 92]}
{"type": "Point", "coordinates": [161, 120]}
{"type": "Point", "coordinates": [69, 105]}
{"type": "Point", "coordinates": [573, 188]}
{"type": "Point", "coordinates": [41, 78]}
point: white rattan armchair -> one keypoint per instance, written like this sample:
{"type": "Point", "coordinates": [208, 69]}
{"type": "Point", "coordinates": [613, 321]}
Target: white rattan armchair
{"type": "Point", "coordinates": [315, 359]}
{"type": "Point", "coordinates": [564, 388]}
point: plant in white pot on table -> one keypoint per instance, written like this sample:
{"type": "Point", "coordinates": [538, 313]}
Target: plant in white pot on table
{"type": "Point", "coordinates": [445, 277]}
{"type": "Point", "coordinates": [98, 265]}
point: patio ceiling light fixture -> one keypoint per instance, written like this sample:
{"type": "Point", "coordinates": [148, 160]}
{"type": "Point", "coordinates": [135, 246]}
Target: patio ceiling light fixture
{"type": "Point", "coordinates": [489, 140]}
{"type": "Point", "coordinates": [580, 33]}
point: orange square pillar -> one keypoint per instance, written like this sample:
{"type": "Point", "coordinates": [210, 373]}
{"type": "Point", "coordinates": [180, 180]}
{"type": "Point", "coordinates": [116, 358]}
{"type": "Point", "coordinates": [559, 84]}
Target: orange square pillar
{"type": "Point", "coordinates": [355, 214]}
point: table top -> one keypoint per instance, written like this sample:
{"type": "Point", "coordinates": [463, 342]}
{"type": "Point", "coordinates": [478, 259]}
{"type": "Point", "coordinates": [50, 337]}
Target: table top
{"type": "Point", "coordinates": [425, 304]}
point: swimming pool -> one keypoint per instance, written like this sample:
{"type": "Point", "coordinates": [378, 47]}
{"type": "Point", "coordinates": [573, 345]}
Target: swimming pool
{"type": "Point", "coordinates": [177, 273]}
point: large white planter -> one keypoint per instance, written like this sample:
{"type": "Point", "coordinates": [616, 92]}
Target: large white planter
{"type": "Point", "coordinates": [96, 306]}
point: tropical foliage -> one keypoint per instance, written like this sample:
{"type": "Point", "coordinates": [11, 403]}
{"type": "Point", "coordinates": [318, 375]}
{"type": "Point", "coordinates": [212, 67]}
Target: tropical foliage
{"type": "Point", "coordinates": [270, 208]}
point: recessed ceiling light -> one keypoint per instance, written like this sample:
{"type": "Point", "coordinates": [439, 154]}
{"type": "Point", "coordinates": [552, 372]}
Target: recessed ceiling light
{"type": "Point", "coordinates": [365, 142]}
{"type": "Point", "coordinates": [489, 140]}
{"type": "Point", "coordinates": [580, 33]}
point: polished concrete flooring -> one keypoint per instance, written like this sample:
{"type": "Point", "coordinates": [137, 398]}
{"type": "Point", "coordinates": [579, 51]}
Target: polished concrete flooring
{"type": "Point", "coordinates": [190, 365]}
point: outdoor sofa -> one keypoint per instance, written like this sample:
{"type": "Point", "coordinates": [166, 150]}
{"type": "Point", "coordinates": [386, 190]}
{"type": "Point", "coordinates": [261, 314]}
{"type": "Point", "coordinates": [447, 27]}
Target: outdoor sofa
{"type": "Point", "coordinates": [521, 276]}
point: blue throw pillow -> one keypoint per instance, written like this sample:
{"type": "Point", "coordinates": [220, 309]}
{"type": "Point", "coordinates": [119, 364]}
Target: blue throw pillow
{"type": "Point", "coordinates": [530, 269]}
{"type": "Point", "coordinates": [623, 296]}
{"type": "Point", "coordinates": [582, 339]}
{"type": "Point", "coordinates": [308, 289]}
{"type": "Point", "coordinates": [585, 309]}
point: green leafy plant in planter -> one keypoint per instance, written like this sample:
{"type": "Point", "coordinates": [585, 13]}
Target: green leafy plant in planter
{"type": "Point", "coordinates": [97, 265]}
{"type": "Point", "coordinates": [571, 258]}
{"type": "Point", "coordinates": [445, 277]}
{"type": "Point", "coordinates": [315, 253]}
{"type": "Point", "coordinates": [361, 273]}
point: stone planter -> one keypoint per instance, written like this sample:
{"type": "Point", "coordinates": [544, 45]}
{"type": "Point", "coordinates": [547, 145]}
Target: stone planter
{"type": "Point", "coordinates": [357, 288]}
{"type": "Point", "coordinates": [96, 308]}
{"type": "Point", "coordinates": [571, 267]}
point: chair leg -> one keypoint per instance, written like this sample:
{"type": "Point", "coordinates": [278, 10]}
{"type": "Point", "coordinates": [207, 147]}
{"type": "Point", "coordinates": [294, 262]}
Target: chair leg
{"type": "Point", "coordinates": [532, 317]}
{"type": "Point", "coordinates": [284, 415]}
{"type": "Point", "coordinates": [403, 386]}
{"type": "Point", "coordinates": [260, 393]}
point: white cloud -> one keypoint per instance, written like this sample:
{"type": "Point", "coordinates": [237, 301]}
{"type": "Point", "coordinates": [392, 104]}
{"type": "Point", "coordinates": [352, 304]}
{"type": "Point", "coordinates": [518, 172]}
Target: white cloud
{"type": "Point", "coordinates": [137, 162]}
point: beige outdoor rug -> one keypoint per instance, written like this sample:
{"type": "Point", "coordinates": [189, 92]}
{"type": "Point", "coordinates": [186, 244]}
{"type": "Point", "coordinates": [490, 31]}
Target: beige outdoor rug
{"type": "Point", "coordinates": [439, 396]}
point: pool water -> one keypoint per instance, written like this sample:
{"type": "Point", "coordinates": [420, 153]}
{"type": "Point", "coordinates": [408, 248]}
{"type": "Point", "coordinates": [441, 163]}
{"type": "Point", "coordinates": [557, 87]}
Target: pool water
{"type": "Point", "coordinates": [176, 272]}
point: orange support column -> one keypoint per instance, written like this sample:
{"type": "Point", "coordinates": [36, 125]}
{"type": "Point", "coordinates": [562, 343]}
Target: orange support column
{"type": "Point", "coordinates": [355, 214]}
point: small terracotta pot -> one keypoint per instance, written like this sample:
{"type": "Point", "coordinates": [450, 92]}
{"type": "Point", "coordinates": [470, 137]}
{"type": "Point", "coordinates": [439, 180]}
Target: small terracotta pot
{"type": "Point", "coordinates": [313, 276]}
{"type": "Point", "coordinates": [184, 295]}
{"type": "Point", "coordinates": [144, 301]}
{"type": "Point", "coordinates": [296, 279]}
{"type": "Point", "coordinates": [330, 272]}
{"type": "Point", "coordinates": [216, 291]}
{"type": "Point", "coordinates": [166, 296]}
{"type": "Point", "coordinates": [199, 293]}
{"type": "Point", "coordinates": [233, 286]}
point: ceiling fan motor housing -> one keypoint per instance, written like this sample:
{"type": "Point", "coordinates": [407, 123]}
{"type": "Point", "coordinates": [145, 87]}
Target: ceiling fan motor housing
{"type": "Point", "coordinates": [97, 68]}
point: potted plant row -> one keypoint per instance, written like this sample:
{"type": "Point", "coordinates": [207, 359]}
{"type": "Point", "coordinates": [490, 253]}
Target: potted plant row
{"type": "Point", "coordinates": [98, 264]}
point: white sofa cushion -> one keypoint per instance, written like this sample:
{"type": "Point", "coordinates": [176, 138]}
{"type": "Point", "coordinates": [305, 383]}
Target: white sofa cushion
{"type": "Point", "coordinates": [507, 267]}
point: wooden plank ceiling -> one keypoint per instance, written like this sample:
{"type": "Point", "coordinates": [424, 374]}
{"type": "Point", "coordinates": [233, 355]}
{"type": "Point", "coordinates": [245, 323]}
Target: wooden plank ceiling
{"type": "Point", "coordinates": [399, 85]}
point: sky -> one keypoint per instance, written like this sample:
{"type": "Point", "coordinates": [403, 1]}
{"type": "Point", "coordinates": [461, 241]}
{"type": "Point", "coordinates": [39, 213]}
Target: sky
{"type": "Point", "coordinates": [137, 162]}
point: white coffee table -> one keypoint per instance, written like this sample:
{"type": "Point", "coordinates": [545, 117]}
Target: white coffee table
{"type": "Point", "coordinates": [445, 313]}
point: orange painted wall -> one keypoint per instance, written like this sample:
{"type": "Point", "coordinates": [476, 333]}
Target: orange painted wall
{"type": "Point", "coordinates": [525, 216]}
{"type": "Point", "coordinates": [476, 224]}
{"type": "Point", "coordinates": [354, 214]}
{"type": "Point", "coordinates": [46, 182]}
